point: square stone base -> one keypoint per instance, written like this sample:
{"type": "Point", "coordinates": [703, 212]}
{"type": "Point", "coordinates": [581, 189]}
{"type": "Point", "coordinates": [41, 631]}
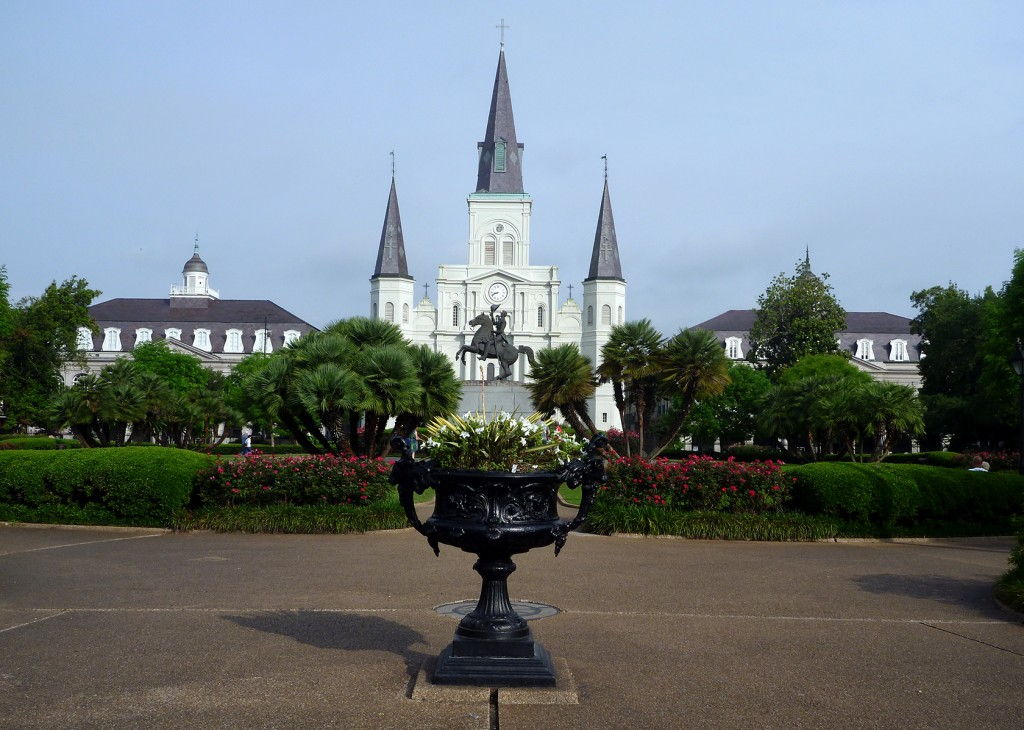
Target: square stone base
{"type": "Point", "coordinates": [564, 692]}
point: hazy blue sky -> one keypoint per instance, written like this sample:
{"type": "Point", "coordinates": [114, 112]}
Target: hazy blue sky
{"type": "Point", "coordinates": [887, 136]}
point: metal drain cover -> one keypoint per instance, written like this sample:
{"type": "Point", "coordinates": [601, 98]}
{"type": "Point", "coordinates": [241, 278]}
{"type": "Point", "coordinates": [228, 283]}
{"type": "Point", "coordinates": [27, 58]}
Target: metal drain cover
{"type": "Point", "coordinates": [527, 609]}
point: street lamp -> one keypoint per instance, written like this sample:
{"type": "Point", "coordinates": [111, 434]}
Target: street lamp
{"type": "Point", "coordinates": [1017, 361]}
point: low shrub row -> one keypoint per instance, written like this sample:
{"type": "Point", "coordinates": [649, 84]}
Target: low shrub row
{"type": "Point", "coordinates": [698, 483]}
{"type": "Point", "coordinates": [122, 486]}
{"type": "Point", "coordinates": [36, 443]}
{"type": "Point", "coordinates": [1010, 588]}
{"type": "Point", "coordinates": [950, 459]}
{"type": "Point", "coordinates": [233, 449]}
{"type": "Point", "coordinates": [291, 518]}
{"type": "Point", "coordinates": [607, 518]}
{"type": "Point", "coordinates": [902, 494]}
{"type": "Point", "coordinates": [260, 480]}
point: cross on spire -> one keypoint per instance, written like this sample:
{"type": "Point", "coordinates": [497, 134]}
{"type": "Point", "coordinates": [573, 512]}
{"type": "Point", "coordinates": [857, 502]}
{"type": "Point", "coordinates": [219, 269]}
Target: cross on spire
{"type": "Point", "coordinates": [426, 291]}
{"type": "Point", "coordinates": [392, 153]}
{"type": "Point", "coordinates": [502, 27]}
{"type": "Point", "coordinates": [605, 158]}
{"type": "Point", "coordinates": [570, 291]}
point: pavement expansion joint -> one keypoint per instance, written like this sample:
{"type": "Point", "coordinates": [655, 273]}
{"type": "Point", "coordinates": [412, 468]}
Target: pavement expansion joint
{"type": "Point", "coordinates": [565, 691]}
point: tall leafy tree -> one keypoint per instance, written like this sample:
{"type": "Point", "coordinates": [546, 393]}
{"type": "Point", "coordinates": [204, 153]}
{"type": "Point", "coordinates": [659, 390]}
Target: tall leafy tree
{"type": "Point", "coordinates": [958, 331]}
{"type": "Point", "coordinates": [797, 315]}
{"type": "Point", "coordinates": [562, 380]}
{"type": "Point", "coordinates": [732, 416]}
{"type": "Point", "coordinates": [38, 336]}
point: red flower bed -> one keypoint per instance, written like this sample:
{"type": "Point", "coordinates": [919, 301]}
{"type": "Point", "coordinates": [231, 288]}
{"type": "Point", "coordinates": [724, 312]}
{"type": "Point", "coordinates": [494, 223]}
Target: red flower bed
{"type": "Point", "coordinates": [998, 460]}
{"type": "Point", "coordinates": [324, 479]}
{"type": "Point", "coordinates": [698, 483]}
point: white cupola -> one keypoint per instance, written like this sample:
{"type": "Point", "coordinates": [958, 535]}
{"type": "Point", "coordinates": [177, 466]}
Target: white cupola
{"type": "Point", "coordinates": [195, 279]}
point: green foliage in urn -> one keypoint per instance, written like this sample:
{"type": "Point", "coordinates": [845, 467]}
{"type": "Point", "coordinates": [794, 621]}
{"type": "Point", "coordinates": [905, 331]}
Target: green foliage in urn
{"type": "Point", "coordinates": [502, 443]}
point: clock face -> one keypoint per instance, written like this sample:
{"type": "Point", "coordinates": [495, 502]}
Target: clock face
{"type": "Point", "coordinates": [497, 292]}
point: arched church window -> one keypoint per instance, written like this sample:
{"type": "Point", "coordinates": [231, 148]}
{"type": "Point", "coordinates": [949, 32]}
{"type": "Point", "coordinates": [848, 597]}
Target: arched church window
{"type": "Point", "coordinates": [143, 334]}
{"type": "Point", "coordinates": [389, 311]}
{"type": "Point", "coordinates": [590, 315]}
{"type": "Point", "coordinates": [112, 339]}
{"type": "Point", "coordinates": [455, 315]}
{"type": "Point", "coordinates": [490, 371]}
{"type": "Point", "coordinates": [405, 312]}
{"type": "Point", "coordinates": [507, 251]}
{"type": "Point", "coordinates": [499, 156]}
{"type": "Point", "coordinates": [606, 314]}
{"type": "Point", "coordinates": [489, 244]}
{"type": "Point", "coordinates": [620, 315]}
{"type": "Point", "coordinates": [540, 316]}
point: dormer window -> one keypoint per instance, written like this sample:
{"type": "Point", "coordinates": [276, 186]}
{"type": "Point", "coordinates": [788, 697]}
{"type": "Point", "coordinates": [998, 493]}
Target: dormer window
{"type": "Point", "coordinates": [112, 339]}
{"type": "Point", "coordinates": [499, 156]}
{"type": "Point", "coordinates": [291, 336]}
{"type": "Point", "coordinates": [201, 339]}
{"type": "Point", "coordinates": [143, 334]}
{"type": "Point", "coordinates": [172, 333]}
{"type": "Point", "coordinates": [262, 343]}
{"type": "Point", "coordinates": [898, 351]}
{"type": "Point", "coordinates": [734, 348]}
{"type": "Point", "coordinates": [84, 341]}
{"type": "Point", "coordinates": [865, 349]}
{"type": "Point", "coordinates": [233, 341]}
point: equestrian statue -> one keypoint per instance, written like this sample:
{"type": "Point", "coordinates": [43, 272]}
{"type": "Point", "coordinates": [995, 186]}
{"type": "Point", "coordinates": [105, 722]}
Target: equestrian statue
{"type": "Point", "coordinates": [489, 342]}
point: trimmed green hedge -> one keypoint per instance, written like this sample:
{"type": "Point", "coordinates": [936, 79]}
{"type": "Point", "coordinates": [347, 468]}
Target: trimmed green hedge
{"type": "Point", "coordinates": [903, 494]}
{"type": "Point", "coordinates": [130, 485]}
{"type": "Point", "coordinates": [292, 518]}
{"type": "Point", "coordinates": [37, 443]}
{"type": "Point", "coordinates": [234, 449]}
{"type": "Point", "coordinates": [607, 518]}
{"type": "Point", "coordinates": [949, 459]}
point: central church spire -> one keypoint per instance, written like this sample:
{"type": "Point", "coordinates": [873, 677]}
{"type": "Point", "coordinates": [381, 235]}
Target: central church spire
{"type": "Point", "coordinates": [501, 155]}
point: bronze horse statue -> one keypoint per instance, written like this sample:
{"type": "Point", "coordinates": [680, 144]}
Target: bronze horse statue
{"type": "Point", "coordinates": [486, 345]}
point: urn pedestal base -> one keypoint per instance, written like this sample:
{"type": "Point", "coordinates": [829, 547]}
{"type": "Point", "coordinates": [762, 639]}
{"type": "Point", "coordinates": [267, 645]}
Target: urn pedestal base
{"type": "Point", "coordinates": [531, 666]}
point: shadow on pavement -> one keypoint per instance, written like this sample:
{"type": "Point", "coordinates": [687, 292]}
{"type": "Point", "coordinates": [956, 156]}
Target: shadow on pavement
{"type": "Point", "coordinates": [344, 631]}
{"type": "Point", "coordinates": [967, 592]}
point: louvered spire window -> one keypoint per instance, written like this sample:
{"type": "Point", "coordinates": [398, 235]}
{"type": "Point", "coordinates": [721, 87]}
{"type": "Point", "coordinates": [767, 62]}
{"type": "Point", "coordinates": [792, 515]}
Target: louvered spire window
{"type": "Point", "coordinates": [499, 156]}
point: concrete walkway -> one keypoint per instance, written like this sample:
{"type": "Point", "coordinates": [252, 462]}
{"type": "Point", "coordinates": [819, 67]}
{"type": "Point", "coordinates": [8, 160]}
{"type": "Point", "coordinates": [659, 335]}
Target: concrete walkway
{"type": "Point", "coordinates": [132, 628]}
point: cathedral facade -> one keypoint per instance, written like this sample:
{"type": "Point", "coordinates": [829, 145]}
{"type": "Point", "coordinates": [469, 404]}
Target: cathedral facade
{"type": "Point", "coordinates": [498, 274]}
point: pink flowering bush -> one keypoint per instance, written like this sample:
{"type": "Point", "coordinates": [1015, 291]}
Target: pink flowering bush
{"type": "Point", "coordinates": [998, 460]}
{"type": "Point", "coordinates": [698, 483]}
{"type": "Point", "coordinates": [256, 479]}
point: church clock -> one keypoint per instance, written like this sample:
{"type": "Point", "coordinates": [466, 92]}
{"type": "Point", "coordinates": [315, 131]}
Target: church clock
{"type": "Point", "coordinates": [497, 292]}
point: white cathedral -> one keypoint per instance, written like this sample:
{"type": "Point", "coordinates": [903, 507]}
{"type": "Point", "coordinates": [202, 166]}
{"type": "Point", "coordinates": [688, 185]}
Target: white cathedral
{"type": "Point", "coordinates": [498, 272]}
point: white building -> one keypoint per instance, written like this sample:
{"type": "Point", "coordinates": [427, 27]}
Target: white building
{"type": "Point", "coordinates": [193, 319]}
{"type": "Point", "coordinates": [498, 271]}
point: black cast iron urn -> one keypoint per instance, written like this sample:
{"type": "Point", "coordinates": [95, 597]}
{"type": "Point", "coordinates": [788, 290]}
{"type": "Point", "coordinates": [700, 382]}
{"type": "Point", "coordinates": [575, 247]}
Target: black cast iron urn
{"type": "Point", "coordinates": [495, 515]}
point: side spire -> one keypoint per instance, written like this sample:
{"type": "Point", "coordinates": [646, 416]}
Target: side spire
{"type": "Point", "coordinates": [500, 169]}
{"type": "Point", "coordinates": [391, 252]}
{"type": "Point", "coordinates": [604, 261]}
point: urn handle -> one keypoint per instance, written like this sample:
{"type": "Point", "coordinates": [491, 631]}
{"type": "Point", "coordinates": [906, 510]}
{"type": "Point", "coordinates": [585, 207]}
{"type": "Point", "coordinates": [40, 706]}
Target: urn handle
{"type": "Point", "coordinates": [586, 472]}
{"type": "Point", "coordinates": [410, 477]}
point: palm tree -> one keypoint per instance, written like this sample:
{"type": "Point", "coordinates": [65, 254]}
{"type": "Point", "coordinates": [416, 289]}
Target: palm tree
{"type": "Point", "coordinates": [389, 386]}
{"type": "Point", "coordinates": [690, 366]}
{"type": "Point", "coordinates": [897, 411]}
{"type": "Point", "coordinates": [627, 360]}
{"type": "Point", "coordinates": [563, 380]}
{"type": "Point", "coordinates": [440, 389]}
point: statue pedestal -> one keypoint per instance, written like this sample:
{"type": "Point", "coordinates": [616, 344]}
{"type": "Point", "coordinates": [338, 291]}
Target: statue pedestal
{"type": "Point", "coordinates": [491, 396]}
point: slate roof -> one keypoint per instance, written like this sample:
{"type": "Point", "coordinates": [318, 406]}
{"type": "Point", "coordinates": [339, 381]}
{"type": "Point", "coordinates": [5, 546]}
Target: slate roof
{"type": "Point", "coordinates": [218, 316]}
{"type": "Point", "coordinates": [391, 251]}
{"type": "Point", "coordinates": [500, 126]}
{"type": "Point", "coordinates": [604, 261]}
{"type": "Point", "coordinates": [880, 327]}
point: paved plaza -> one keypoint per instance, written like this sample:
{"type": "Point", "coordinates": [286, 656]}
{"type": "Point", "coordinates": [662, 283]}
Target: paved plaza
{"type": "Point", "coordinates": [137, 628]}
